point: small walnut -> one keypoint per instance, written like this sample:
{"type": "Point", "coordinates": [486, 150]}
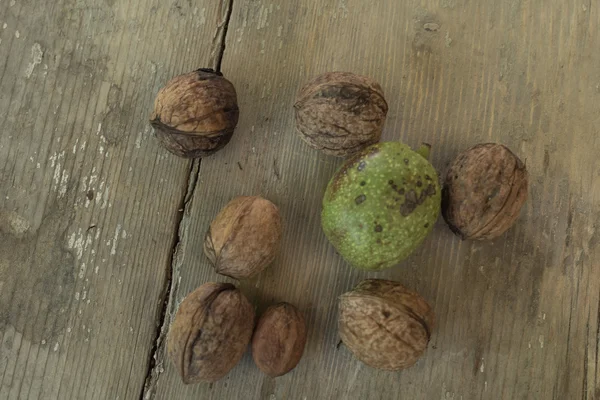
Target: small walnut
{"type": "Point", "coordinates": [195, 113]}
{"type": "Point", "coordinates": [483, 192]}
{"type": "Point", "coordinates": [384, 324]}
{"type": "Point", "coordinates": [244, 238]}
{"type": "Point", "coordinates": [340, 113]}
{"type": "Point", "coordinates": [210, 333]}
{"type": "Point", "coordinates": [279, 339]}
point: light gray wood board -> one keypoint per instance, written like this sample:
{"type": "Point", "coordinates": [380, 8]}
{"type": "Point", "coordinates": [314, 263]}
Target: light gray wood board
{"type": "Point", "coordinates": [89, 201]}
{"type": "Point", "coordinates": [517, 318]}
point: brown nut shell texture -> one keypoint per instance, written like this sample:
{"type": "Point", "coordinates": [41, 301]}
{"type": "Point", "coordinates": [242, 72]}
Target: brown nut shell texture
{"type": "Point", "coordinates": [340, 113]}
{"type": "Point", "coordinates": [244, 237]}
{"type": "Point", "coordinates": [384, 324]}
{"type": "Point", "coordinates": [210, 333]}
{"type": "Point", "coordinates": [279, 339]}
{"type": "Point", "coordinates": [196, 113]}
{"type": "Point", "coordinates": [483, 192]}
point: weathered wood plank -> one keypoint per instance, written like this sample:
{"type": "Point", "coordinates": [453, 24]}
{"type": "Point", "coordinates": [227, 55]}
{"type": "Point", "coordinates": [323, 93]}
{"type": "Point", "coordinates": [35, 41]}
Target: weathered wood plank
{"type": "Point", "coordinates": [89, 202]}
{"type": "Point", "coordinates": [517, 317]}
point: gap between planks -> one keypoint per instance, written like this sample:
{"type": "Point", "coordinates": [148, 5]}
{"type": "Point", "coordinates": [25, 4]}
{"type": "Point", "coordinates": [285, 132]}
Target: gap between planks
{"type": "Point", "coordinates": [168, 301]}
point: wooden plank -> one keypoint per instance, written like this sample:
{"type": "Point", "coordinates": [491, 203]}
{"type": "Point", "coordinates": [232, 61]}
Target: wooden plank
{"type": "Point", "coordinates": [89, 201]}
{"type": "Point", "coordinates": [517, 318]}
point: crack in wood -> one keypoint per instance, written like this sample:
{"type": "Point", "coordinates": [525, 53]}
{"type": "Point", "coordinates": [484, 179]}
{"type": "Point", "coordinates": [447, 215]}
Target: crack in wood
{"type": "Point", "coordinates": [597, 344]}
{"type": "Point", "coordinates": [223, 29]}
{"type": "Point", "coordinates": [168, 301]}
{"type": "Point", "coordinates": [585, 360]}
{"type": "Point", "coordinates": [170, 288]}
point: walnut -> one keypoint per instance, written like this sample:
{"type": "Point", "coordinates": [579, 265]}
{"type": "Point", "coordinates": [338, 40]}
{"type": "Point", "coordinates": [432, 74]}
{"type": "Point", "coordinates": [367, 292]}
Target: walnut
{"type": "Point", "coordinates": [279, 339]}
{"type": "Point", "coordinates": [195, 113]}
{"type": "Point", "coordinates": [210, 333]}
{"type": "Point", "coordinates": [244, 237]}
{"type": "Point", "coordinates": [483, 192]}
{"type": "Point", "coordinates": [384, 324]}
{"type": "Point", "coordinates": [340, 113]}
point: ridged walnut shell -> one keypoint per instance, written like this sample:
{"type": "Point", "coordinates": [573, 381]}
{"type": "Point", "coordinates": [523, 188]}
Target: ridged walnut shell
{"type": "Point", "coordinates": [384, 324]}
{"type": "Point", "coordinates": [279, 339]}
{"type": "Point", "coordinates": [340, 113]}
{"type": "Point", "coordinates": [244, 237]}
{"type": "Point", "coordinates": [210, 333]}
{"type": "Point", "coordinates": [483, 192]}
{"type": "Point", "coordinates": [195, 114]}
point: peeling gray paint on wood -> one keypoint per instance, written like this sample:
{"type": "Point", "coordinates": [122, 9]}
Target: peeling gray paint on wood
{"type": "Point", "coordinates": [88, 199]}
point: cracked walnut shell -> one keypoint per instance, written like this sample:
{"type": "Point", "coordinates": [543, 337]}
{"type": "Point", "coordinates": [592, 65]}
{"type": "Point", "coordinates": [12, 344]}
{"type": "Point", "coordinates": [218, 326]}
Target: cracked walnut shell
{"type": "Point", "coordinates": [210, 332]}
{"type": "Point", "coordinates": [484, 190]}
{"type": "Point", "coordinates": [340, 113]}
{"type": "Point", "coordinates": [384, 324]}
{"type": "Point", "coordinates": [196, 113]}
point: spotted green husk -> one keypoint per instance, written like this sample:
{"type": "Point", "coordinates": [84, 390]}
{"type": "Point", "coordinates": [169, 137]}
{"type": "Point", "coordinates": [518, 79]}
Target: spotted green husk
{"type": "Point", "coordinates": [381, 204]}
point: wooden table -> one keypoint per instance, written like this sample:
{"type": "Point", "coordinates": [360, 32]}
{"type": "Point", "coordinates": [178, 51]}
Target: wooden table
{"type": "Point", "coordinates": [101, 229]}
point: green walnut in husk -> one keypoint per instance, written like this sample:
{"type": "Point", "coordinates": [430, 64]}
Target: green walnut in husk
{"type": "Point", "coordinates": [484, 191]}
{"type": "Point", "coordinates": [381, 204]}
{"type": "Point", "coordinates": [195, 114]}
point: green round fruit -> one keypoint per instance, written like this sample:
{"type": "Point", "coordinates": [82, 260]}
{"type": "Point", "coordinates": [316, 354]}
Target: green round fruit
{"type": "Point", "coordinates": [381, 204]}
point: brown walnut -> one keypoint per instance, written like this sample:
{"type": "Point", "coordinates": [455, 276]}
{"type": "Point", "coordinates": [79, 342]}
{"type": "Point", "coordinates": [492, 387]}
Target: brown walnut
{"type": "Point", "coordinates": [279, 339]}
{"type": "Point", "coordinates": [195, 113]}
{"type": "Point", "coordinates": [483, 192]}
{"type": "Point", "coordinates": [340, 113]}
{"type": "Point", "coordinates": [384, 324]}
{"type": "Point", "coordinates": [244, 237]}
{"type": "Point", "coordinates": [210, 332]}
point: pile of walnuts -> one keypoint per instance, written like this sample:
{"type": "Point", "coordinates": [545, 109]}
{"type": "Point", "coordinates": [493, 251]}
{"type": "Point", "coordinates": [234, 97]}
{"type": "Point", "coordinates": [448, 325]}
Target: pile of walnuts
{"type": "Point", "coordinates": [383, 323]}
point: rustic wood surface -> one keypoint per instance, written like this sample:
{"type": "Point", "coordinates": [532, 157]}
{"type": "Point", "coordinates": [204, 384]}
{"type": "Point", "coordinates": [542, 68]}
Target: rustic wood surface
{"type": "Point", "coordinates": [517, 318]}
{"type": "Point", "coordinates": [89, 202]}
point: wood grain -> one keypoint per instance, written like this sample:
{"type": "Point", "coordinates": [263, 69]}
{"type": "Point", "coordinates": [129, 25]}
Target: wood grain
{"type": "Point", "coordinates": [517, 318]}
{"type": "Point", "coordinates": [89, 202]}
